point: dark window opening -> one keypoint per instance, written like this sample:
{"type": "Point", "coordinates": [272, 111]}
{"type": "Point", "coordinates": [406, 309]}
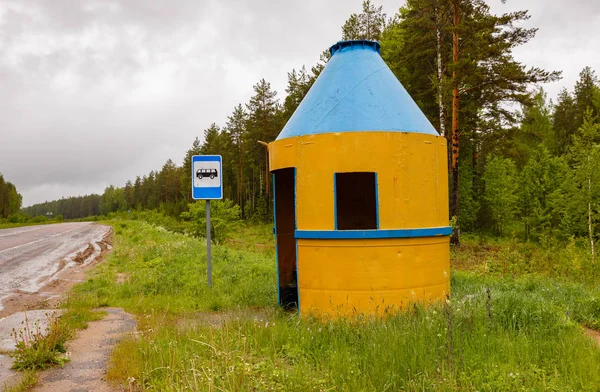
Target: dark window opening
{"type": "Point", "coordinates": [356, 201]}
{"type": "Point", "coordinates": [285, 225]}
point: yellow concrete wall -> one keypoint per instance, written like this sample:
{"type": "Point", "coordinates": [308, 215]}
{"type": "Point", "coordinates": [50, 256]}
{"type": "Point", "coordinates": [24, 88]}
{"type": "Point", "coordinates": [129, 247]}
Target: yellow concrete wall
{"type": "Point", "coordinates": [411, 170]}
{"type": "Point", "coordinates": [413, 193]}
{"type": "Point", "coordinates": [340, 277]}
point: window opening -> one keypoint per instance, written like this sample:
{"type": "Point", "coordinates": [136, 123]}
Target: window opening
{"type": "Point", "coordinates": [356, 201]}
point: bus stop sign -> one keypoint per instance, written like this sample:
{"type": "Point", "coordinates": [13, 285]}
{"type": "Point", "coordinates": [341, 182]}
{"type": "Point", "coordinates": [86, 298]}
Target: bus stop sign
{"type": "Point", "coordinates": [207, 177]}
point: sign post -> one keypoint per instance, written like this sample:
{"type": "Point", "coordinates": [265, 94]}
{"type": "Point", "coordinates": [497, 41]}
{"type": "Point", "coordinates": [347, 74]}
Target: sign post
{"type": "Point", "coordinates": [207, 184]}
{"type": "Point", "coordinates": [208, 253]}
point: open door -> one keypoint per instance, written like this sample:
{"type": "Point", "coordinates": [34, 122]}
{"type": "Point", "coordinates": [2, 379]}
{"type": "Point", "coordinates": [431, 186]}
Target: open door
{"type": "Point", "coordinates": [285, 225]}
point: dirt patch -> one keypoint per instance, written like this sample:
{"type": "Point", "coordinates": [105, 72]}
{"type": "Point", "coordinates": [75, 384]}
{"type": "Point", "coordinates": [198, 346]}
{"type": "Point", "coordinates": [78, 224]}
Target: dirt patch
{"type": "Point", "coordinates": [49, 295]}
{"type": "Point", "coordinates": [122, 278]}
{"type": "Point", "coordinates": [83, 255]}
{"type": "Point", "coordinates": [594, 334]}
{"type": "Point", "coordinates": [89, 353]}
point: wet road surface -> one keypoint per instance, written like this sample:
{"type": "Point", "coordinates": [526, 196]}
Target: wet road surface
{"type": "Point", "coordinates": [30, 256]}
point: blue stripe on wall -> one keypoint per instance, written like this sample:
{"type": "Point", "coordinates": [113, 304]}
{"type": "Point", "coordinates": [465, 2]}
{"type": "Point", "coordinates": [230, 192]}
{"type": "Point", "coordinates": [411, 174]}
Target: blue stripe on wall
{"type": "Point", "coordinates": [369, 234]}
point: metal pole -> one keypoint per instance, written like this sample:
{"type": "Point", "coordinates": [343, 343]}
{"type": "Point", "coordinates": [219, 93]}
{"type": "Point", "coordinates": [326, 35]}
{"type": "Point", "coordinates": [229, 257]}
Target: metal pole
{"type": "Point", "coordinates": [208, 255]}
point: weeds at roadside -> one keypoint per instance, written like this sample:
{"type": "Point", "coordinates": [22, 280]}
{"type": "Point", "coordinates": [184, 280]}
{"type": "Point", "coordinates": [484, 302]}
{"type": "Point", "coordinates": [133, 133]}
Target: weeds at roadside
{"type": "Point", "coordinates": [28, 380]}
{"type": "Point", "coordinates": [39, 347]}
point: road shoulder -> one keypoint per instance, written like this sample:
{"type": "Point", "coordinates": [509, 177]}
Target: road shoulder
{"type": "Point", "coordinates": [89, 353]}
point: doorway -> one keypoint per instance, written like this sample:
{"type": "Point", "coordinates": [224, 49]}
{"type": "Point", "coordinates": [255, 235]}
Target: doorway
{"type": "Point", "coordinates": [285, 226]}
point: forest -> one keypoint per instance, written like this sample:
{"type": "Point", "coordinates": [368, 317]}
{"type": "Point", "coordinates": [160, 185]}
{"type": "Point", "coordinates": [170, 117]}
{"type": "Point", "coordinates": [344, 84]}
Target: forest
{"type": "Point", "coordinates": [518, 162]}
{"type": "Point", "coordinates": [10, 199]}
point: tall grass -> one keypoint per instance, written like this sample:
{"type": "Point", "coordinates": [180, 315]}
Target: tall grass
{"type": "Point", "coordinates": [525, 346]}
{"type": "Point", "coordinates": [498, 331]}
{"type": "Point", "coordinates": [162, 270]}
{"type": "Point", "coordinates": [570, 259]}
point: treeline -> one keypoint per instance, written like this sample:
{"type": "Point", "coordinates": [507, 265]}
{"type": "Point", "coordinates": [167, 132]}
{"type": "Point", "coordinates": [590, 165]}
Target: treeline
{"type": "Point", "coordinates": [246, 179]}
{"type": "Point", "coordinates": [69, 208]}
{"type": "Point", "coordinates": [10, 199]}
{"type": "Point", "coordinates": [513, 155]}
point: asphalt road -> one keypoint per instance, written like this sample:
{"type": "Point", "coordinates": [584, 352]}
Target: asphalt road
{"type": "Point", "coordinates": [30, 256]}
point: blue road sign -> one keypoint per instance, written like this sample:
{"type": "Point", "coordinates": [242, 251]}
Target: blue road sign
{"type": "Point", "coordinates": [207, 178]}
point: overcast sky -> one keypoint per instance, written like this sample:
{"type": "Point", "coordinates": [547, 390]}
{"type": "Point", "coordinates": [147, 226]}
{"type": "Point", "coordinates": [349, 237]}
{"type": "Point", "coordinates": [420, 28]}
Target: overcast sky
{"type": "Point", "coordinates": [95, 92]}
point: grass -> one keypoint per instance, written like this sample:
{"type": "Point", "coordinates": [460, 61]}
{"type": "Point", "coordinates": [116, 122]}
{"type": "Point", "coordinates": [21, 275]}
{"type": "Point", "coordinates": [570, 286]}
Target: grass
{"type": "Point", "coordinates": [504, 328]}
{"type": "Point", "coordinates": [10, 225]}
{"type": "Point", "coordinates": [509, 256]}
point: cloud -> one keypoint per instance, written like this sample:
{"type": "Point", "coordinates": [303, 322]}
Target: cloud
{"type": "Point", "coordinates": [96, 92]}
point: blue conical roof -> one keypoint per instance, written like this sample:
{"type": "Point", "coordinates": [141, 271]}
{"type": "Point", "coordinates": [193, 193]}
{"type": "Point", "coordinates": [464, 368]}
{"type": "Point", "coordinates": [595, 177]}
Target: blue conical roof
{"type": "Point", "coordinates": [356, 92]}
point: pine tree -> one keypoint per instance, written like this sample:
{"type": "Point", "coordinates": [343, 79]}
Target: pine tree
{"type": "Point", "coordinates": [264, 124]}
{"type": "Point", "coordinates": [298, 85]}
{"type": "Point", "coordinates": [211, 143]}
{"type": "Point", "coordinates": [10, 199]}
{"type": "Point", "coordinates": [236, 128]}
{"type": "Point", "coordinates": [129, 195]}
{"type": "Point", "coordinates": [137, 192]}
{"type": "Point", "coordinates": [185, 181]}
{"type": "Point", "coordinates": [564, 122]}
{"type": "Point", "coordinates": [369, 24]}
{"type": "Point", "coordinates": [539, 180]}
{"type": "Point", "coordinates": [479, 74]}
{"type": "Point", "coordinates": [585, 93]}
{"type": "Point", "coordinates": [536, 128]}
{"type": "Point", "coordinates": [583, 187]}
{"type": "Point", "coordinates": [500, 194]}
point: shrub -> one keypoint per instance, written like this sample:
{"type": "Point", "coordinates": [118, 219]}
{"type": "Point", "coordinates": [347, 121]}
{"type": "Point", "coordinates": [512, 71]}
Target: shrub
{"type": "Point", "coordinates": [224, 218]}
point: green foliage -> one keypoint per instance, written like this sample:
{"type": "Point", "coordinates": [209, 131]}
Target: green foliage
{"type": "Point", "coordinates": [224, 218]}
{"type": "Point", "coordinates": [586, 93]}
{"type": "Point", "coordinates": [298, 85]}
{"type": "Point", "coordinates": [18, 218]}
{"type": "Point", "coordinates": [70, 207]}
{"type": "Point", "coordinates": [581, 189]}
{"type": "Point", "coordinates": [540, 180]}
{"type": "Point", "coordinates": [468, 204]}
{"type": "Point", "coordinates": [155, 218]}
{"type": "Point", "coordinates": [500, 191]}
{"type": "Point", "coordinates": [369, 24]}
{"type": "Point", "coordinates": [571, 109]}
{"type": "Point", "coordinates": [10, 199]}
{"type": "Point", "coordinates": [536, 129]}
{"type": "Point", "coordinates": [568, 259]}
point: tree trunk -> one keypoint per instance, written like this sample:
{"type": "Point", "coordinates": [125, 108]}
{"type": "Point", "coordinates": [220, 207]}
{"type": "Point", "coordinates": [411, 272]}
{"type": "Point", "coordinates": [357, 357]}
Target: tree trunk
{"type": "Point", "coordinates": [440, 71]}
{"type": "Point", "coordinates": [455, 240]}
{"type": "Point", "coordinates": [239, 185]}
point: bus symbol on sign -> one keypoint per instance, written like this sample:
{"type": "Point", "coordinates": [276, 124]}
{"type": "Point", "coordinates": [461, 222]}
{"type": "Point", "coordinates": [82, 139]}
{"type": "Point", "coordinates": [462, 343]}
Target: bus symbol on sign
{"type": "Point", "coordinates": [212, 173]}
{"type": "Point", "coordinates": [207, 177]}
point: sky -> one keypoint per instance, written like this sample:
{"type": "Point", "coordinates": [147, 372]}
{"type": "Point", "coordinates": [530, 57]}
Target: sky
{"type": "Point", "coordinates": [96, 92]}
